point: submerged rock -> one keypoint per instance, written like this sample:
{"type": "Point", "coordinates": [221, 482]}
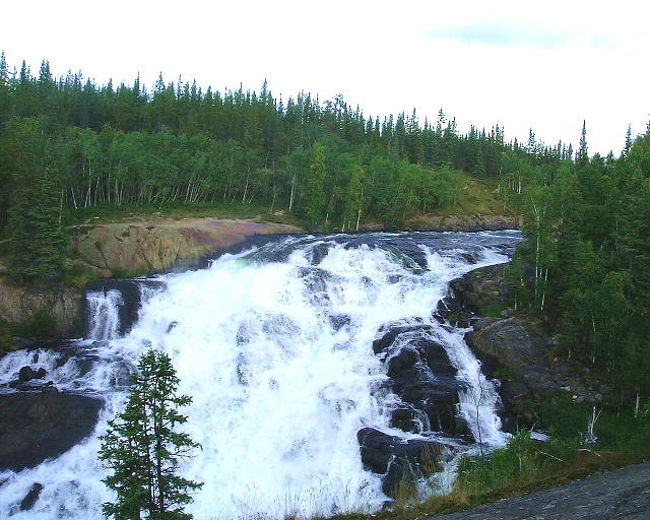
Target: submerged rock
{"type": "Point", "coordinates": [31, 497]}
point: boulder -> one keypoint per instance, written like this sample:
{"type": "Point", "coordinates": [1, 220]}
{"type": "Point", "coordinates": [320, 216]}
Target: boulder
{"type": "Point", "coordinates": [422, 375]}
{"type": "Point", "coordinates": [481, 291]}
{"type": "Point", "coordinates": [39, 426]}
{"type": "Point", "coordinates": [391, 332]}
{"type": "Point", "coordinates": [27, 373]}
{"type": "Point", "coordinates": [409, 419]}
{"type": "Point", "coordinates": [400, 459]}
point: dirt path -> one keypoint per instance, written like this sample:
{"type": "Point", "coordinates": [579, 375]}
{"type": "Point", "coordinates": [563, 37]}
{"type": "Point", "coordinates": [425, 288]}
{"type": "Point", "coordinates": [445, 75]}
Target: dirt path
{"type": "Point", "coordinates": [624, 494]}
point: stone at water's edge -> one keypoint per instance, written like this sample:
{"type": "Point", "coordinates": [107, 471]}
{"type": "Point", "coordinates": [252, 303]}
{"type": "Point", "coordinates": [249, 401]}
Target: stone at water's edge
{"type": "Point", "coordinates": [38, 426]}
{"type": "Point", "coordinates": [517, 350]}
{"type": "Point", "coordinates": [133, 248]}
{"type": "Point", "coordinates": [19, 303]}
{"type": "Point", "coordinates": [399, 460]}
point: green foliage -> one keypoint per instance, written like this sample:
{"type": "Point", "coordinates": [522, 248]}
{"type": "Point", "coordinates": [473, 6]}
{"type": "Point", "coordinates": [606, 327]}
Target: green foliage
{"type": "Point", "coordinates": [123, 147]}
{"type": "Point", "coordinates": [41, 324]}
{"type": "Point", "coordinates": [586, 264]}
{"type": "Point", "coordinates": [35, 251]}
{"type": "Point", "coordinates": [142, 448]}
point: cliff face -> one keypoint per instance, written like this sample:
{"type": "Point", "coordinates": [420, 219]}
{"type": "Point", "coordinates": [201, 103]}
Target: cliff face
{"type": "Point", "coordinates": [64, 304]}
{"type": "Point", "coordinates": [139, 248]}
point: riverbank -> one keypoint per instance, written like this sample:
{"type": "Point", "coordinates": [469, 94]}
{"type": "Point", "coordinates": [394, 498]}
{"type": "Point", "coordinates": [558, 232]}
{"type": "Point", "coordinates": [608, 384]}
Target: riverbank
{"type": "Point", "coordinates": [136, 246]}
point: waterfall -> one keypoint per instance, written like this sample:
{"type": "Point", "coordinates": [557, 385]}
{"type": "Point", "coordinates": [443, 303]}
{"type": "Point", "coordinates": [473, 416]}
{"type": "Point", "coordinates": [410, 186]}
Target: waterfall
{"type": "Point", "coordinates": [275, 346]}
{"type": "Point", "coordinates": [103, 314]}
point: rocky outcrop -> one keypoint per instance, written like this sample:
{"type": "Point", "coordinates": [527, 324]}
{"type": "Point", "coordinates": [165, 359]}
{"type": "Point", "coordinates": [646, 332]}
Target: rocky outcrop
{"type": "Point", "coordinates": [421, 374]}
{"type": "Point", "coordinates": [125, 249]}
{"type": "Point", "coordinates": [138, 248]}
{"type": "Point", "coordinates": [518, 349]}
{"type": "Point", "coordinates": [400, 461]}
{"type": "Point", "coordinates": [37, 426]}
{"type": "Point", "coordinates": [63, 304]}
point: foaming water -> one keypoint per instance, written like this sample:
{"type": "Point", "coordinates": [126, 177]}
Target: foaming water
{"type": "Point", "coordinates": [104, 321]}
{"type": "Point", "coordinates": [275, 347]}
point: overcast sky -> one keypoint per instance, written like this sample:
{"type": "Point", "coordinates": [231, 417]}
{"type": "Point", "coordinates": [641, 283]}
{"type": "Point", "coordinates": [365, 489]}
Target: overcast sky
{"type": "Point", "coordinates": [546, 65]}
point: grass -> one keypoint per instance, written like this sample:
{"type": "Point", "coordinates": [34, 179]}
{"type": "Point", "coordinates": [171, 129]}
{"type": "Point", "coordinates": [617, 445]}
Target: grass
{"type": "Point", "coordinates": [177, 211]}
{"type": "Point", "coordinates": [478, 196]}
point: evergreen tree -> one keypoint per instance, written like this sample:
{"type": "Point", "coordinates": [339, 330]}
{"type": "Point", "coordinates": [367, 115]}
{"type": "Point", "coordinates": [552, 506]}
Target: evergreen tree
{"type": "Point", "coordinates": [34, 218]}
{"type": "Point", "coordinates": [583, 154]}
{"type": "Point", "coordinates": [313, 192]}
{"type": "Point", "coordinates": [142, 448]}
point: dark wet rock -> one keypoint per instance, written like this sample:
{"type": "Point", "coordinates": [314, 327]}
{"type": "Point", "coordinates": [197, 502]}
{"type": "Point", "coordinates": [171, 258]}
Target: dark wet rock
{"type": "Point", "coordinates": [421, 374]}
{"type": "Point", "coordinates": [483, 289]}
{"type": "Point", "coordinates": [38, 426]}
{"type": "Point", "coordinates": [132, 294]}
{"type": "Point", "coordinates": [405, 359]}
{"type": "Point", "coordinates": [409, 419]}
{"type": "Point", "coordinates": [49, 387]}
{"type": "Point", "coordinates": [398, 459]}
{"type": "Point", "coordinates": [437, 396]}
{"type": "Point", "coordinates": [517, 344]}
{"type": "Point", "coordinates": [517, 351]}
{"type": "Point", "coordinates": [31, 497]}
{"type": "Point", "coordinates": [391, 332]}
{"type": "Point", "coordinates": [27, 373]}
{"type": "Point", "coordinates": [319, 252]}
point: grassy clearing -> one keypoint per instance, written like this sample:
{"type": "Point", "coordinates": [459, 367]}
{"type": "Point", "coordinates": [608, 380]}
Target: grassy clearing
{"type": "Point", "coordinates": [478, 196]}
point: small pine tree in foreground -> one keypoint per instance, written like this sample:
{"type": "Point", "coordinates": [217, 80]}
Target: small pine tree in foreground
{"type": "Point", "coordinates": [142, 449]}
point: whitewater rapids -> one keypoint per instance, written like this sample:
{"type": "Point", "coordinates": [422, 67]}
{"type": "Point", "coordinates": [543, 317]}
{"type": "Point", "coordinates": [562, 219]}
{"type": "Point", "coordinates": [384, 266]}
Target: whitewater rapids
{"type": "Point", "coordinates": [274, 345]}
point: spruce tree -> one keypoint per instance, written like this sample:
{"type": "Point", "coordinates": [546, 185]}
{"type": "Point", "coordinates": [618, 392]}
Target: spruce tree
{"type": "Point", "coordinates": [313, 193]}
{"type": "Point", "coordinates": [34, 222]}
{"type": "Point", "coordinates": [142, 448]}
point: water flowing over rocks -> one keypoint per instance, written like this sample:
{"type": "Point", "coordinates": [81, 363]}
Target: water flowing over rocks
{"type": "Point", "coordinates": [321, 381]}
{"type": "Point", "coordinates": [131, 294]}
{"type": "Point", "coordinates": [421, 373]}
{"type": "Point", "coordinates": [400, 460]}
{"type": "Point", "coordinates": [516, 349]}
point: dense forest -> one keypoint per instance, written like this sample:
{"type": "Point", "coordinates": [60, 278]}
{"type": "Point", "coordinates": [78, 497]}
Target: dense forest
{"type": "Point", "coordinates": [68, 143]}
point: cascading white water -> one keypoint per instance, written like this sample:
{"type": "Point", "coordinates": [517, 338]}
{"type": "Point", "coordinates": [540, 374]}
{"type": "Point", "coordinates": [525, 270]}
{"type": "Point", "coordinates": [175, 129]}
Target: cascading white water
{"type": "Point", "coordinates": [104, 319]}
{"type": "Point", "coordinates": [278, 358]}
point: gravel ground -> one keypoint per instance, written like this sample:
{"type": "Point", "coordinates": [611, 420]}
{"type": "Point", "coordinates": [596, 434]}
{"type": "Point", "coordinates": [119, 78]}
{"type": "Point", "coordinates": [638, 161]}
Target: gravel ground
{"type": "Point", "coordinates": [624, 493]}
